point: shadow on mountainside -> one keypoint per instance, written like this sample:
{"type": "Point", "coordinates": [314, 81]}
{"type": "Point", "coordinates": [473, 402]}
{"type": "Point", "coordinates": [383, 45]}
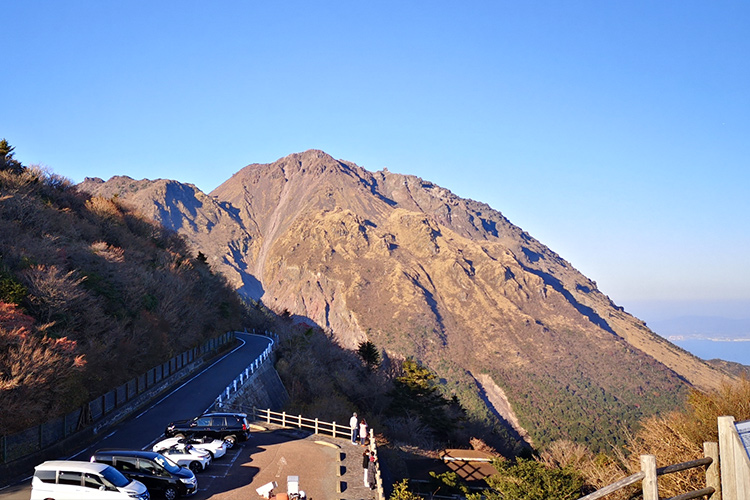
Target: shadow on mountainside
{"type": "Point", "coordinates": [328, 382]}
{"type": "Point", "coordinates": [558, 286]}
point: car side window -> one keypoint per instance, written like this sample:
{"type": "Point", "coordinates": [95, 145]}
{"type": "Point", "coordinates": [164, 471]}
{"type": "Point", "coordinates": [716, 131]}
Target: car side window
{"type": "Point", "coordinates": [69, 477]}
{"type": "Point", "coordinates": [46, 476]}
{"type": "Point", "coordinates": [127, 464]}
{"type": "Point", "coordinates": [204, 421]}
{"type": "Point", "coordinates": [92, 481]}
{"type": "Point", "coordinates": [220, 421]}
{"type": "Point", "coordinates": [147, 466]}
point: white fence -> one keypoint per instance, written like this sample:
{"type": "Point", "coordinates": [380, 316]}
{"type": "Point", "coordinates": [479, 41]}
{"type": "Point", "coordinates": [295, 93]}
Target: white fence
{"type": "Point", "coordinates": [319, 427]}
{"type": "Point", "coordinates": [243, 377]}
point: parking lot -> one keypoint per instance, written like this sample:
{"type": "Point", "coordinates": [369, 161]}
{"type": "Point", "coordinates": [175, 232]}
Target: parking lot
{"type": "Point", "coordinates": [328, 468]}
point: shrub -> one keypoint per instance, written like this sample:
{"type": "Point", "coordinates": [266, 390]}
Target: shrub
{"type": "Point", "coordinates": [401, 492]}
{"type": "Point", "coordinates": [531, 480]}
{"type": "Point", "coordinates": [11, 291]}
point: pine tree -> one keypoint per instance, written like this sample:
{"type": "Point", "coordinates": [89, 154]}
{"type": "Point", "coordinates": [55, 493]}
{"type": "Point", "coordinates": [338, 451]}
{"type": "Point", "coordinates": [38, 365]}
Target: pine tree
{"type": "Point", "coordinates": [7, 162]}
{"type": "Point", "coordinates": [416, 393]}
{"type": "Point", "coordinates": [369, 354]}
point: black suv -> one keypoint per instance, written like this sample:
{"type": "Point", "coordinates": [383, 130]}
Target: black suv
{"type": "Point", "coordinates": [157, 472]}
{"type": "Point", "coordinates": [230, 427]}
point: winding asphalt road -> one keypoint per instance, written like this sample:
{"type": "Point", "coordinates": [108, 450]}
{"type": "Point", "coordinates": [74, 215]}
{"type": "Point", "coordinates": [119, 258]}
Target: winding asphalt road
{"type": "Point", "coordinates": [191, 398]}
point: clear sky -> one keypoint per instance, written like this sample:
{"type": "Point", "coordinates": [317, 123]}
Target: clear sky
{"type": "Point", "coordinates": [615, 132]}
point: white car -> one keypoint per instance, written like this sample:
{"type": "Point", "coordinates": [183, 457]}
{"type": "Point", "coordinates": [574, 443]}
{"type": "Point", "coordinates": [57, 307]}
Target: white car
{"type": "Point", "coordinates": [75, 480]}
{"type": "Point", "coordinates": [185, 454]}
{"type": "Point", "coordinates": [215, 447]}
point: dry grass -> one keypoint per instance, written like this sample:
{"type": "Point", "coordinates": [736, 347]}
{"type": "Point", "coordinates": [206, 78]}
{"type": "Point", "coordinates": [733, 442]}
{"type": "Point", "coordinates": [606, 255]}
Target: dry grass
{"type": "Point", "coordinates": [90, 273]}
{"type": "Point", "coordinates": [673, 438]}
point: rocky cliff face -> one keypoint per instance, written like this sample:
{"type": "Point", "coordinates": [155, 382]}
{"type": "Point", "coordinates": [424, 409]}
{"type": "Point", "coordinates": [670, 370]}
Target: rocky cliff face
{"type": "Point", "coordinates": [421, 272]}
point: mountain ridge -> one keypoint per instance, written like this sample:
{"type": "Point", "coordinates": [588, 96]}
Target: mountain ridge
{"type": "Point", "coordinates": [421, 272]}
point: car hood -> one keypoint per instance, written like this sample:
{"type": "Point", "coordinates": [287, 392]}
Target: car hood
{"type": "Point", "coordinates": [185, 473]}
{"type": "Point", "coordinates": [135, 486]}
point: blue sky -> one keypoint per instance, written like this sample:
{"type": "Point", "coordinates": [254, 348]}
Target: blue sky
{"type": "Point", "coordinates": [617, 133]}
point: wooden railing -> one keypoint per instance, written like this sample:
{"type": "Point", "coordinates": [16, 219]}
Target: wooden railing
{"type": "Point", "coordinates": [727, 470]}
{"type": "Point", "coordinates": [319, 427]}
{"type": "Point", "coordinates": [649, 473]}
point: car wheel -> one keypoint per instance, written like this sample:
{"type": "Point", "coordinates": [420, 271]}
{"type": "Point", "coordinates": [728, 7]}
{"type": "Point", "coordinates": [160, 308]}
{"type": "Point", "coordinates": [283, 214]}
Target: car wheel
{"type": "Point", "coordinates": [196, 467]}
{"type": "Point", "coordinates": [230, 441]}
{"type": "Point", "coordinates": [170, 493]}
{"type": "Point", "coordinates": [179, 435]}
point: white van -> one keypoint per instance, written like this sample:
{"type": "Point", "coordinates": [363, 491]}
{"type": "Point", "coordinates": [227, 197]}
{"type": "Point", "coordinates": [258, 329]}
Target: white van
{"type": "Point", "coordinates": [72, 480]}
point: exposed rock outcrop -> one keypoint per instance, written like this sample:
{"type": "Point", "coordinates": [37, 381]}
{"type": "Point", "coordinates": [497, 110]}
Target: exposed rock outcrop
{"type": "Point", "coordinates": [412, 267]}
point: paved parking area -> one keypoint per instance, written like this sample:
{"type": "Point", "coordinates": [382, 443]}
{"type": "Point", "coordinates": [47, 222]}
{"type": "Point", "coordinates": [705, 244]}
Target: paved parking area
{"type": "Point", "coordinates": [328, 468]}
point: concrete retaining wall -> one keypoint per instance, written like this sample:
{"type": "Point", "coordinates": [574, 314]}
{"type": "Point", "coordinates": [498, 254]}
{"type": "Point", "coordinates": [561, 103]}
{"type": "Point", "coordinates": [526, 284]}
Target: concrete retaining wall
{"type": "Point", "coordinates": [262, 389]}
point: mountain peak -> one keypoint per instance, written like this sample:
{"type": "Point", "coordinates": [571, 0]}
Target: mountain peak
{"type": "Point", "coordinates": [413, 268]}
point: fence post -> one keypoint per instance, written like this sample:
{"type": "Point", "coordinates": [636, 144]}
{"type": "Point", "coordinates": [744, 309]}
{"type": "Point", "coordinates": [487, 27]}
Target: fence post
{"type": "Point", "coordinates": [299, 421]}
{"type": "Point", "coordinates": [283, 419]}
{"type": "Point", "coordinates": [650, 486]}
{"type": "Point", "coordinates": [316, 426]}
{"type": "Point", "coordinates": [334, 428]}
{"type": "Point", "coordinates": [713, 480]}
{"type": "Point", "coordinates": [735, 468]}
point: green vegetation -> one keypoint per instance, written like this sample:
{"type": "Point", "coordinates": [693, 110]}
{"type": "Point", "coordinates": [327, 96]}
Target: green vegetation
{"type": "Point", "coordinates": [449, 483]}
{"type": "Point", "coordinates": [7, 162]}
{"type": "Point", "coordinates": [11, 291]}
{"type": "Point", "coordinates": [567, 470]}
{"type": "Point", "coordinates": [369, 354]}
{"type": "Point", "coordinates": [401, 492]}
{"type": "Point", "coordinates": [91, 295]}
{"type": "Point", "coordinates": [415, 393]}
{"type": "Point", "coordinates": [530, 480]}
{"type": "Point", "coordinates": [591, 401]}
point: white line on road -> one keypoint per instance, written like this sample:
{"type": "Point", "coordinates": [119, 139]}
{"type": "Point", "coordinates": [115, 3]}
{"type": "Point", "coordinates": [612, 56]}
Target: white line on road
{"type": "Point", "coordinates": [191, 378]}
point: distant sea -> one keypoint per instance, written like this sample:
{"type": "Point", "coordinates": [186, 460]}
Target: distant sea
{"type": "Point", "coordinates": [734, 350]}
{"type": "Point", "coordinates": [707, 329]}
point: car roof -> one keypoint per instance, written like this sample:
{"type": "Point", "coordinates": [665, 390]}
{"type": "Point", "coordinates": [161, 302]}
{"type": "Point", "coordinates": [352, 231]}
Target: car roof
{"type": "Point", "coordinates": [224, 414]}
{"type": "Point", "coordinates": [72, 465]}
{"type": "Point", "coordinates": [127, 453]}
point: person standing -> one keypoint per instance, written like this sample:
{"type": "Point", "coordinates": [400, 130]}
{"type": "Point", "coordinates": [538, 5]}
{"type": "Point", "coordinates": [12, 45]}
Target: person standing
{"type": "Point", "coordinates": [371, 471]}
{"type": "Point", "coordinates": [353, 424]}
{"type": "Point", "coordinates": [366, 464]}
{"type": "Point", "coordinates": [362, 431]}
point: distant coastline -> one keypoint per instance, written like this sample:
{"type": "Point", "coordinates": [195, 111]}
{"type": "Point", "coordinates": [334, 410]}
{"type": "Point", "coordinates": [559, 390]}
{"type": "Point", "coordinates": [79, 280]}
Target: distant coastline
{"type": "Point", "coordinates": [713, 347]}
{"type": "Point", "coordinates": [709, 329]}
{"type": "Point", "coordinates": [677, 338]}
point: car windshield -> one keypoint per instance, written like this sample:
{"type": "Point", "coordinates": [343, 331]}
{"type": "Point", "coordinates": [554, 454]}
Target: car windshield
{"type": "Point", "coordinates": [115, 477]}
{"type": "Point", "coordinates": [167, 463]}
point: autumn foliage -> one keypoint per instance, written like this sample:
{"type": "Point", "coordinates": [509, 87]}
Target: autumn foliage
{"type": "Point", "coordinates": [91, 295]}
{"type": "Point", "coordinates": [31, 365]}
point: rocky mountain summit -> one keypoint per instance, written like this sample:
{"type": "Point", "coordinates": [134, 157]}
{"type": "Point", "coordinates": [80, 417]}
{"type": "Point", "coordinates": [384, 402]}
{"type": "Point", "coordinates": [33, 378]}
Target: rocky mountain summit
{"type": "Point", "coordinates": [397, 260]}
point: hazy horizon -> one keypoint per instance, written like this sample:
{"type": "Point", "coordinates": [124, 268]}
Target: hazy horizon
{"type": "Point", "coordinates": [708, 329]}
